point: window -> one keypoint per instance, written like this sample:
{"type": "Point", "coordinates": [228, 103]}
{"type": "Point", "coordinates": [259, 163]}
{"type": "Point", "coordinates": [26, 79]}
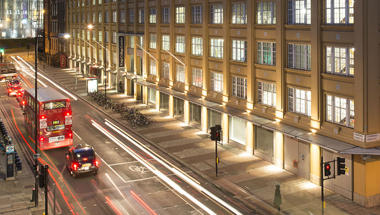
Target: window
{"type": "Point", "coordinates": [239, 13]}
{"type": "Point", "coordinates": [123, 17]}
{"type": "Point", "coordinates": [152, 16]}
{"type": "Point", "coordinates": [239, 87]}
{"type": "Point", "coordinates": [266, 53]}
{"type": "Point", "coordinates": [339, 12]}
{"type": "Point", "coordinates": [131, 13]}
{"type": "Point", "coordinates": [152, 68]}
{"type": "Point", "coordinates": [239, 50]}
{"type": "Point", "coordinates": [299, 12]}
{"type": "Point", "coordinates": [217, 82]}
{"type": "Point", "coordinates": [180, 73]}
{"type": "Point", "coordinates": [114, 16]}
{"type": "Point", "coordinates": [266, 93]}
{"type": "Point", "coordinates": [153, 41]}
{"type": "Point", "coordinates": [197, 46]}
{"type": "Point", "coordinates": [114, 37]}
{"type": "Point", "coordinates": [216, 14]}
{"type": "Point", "coordinates": [180, 15]}
{"type": "Point", "coordinates": [166, 42]}
{"type": "Point", "coordinates": [165, 70]}
{"type": "Point", "coordinates": [180, 44]}
{"type": "Point", "coordinates": [216, 47]}
{"type": "Point", "coordinates": [196, 14]}
{"type": "Point", "coordinates": [141, 16]}
{"type": "Point", "coordinates": [107, 36]}
{"type": "Point", "coordinates": [100, 17]}
{"type": "Point", "coordinates": [299, 56]}
{"type": "Point", "coordinates": [100, 36]}
{"type": "Point", "coordinates": [107, 17]}
{"type": "Point", "coordinates": [340, 111]}
{"type": "Point", "coordinates": [299, 101]}
{"type": "Point", "coordinates": [340, 60]}
{"type": "Point", "coordinates": [165, 15]}
{"type": "Point", "coordinates": [197, 77]}
{"type": "Point", "coordinates": [266, 13]}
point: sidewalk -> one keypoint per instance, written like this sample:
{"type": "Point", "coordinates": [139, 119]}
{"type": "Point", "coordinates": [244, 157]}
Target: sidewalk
{"type": "Point", "coordinates": [246, 177]}
{"type": "Point", "coordinates": [15, 195]}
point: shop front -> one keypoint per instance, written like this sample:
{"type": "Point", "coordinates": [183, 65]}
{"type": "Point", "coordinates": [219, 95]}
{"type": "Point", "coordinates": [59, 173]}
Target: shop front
{"type": "Point", "coordinates": [214, 118]}
{"type": "Point", "coordinates": [195, 114]}
{"type": "Point", "coordinates": [297, 157]}
{"type": "Point", "coordinates": [264, 143]}
{"type": "Point", "coordinates": [238, 130]}
{"type": "Point", "coordinates": [151, 96]}
{"type": "Point", "coordinates": [178, 108]}
{"type": "Point", "coordinates": [164, 102]}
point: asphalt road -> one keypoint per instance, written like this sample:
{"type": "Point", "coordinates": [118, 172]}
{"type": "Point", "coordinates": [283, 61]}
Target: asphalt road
{"type": "Point", "coordinates": [130, 181]}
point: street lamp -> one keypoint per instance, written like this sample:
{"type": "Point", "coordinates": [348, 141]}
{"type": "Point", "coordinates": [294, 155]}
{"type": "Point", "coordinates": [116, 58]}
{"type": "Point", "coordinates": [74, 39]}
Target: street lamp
{"type": "Point", "coordinates": [90, 27]}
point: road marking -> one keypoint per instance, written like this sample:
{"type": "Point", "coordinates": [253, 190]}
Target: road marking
{"type": "Point", "coordinates": [122, 163]}
{"type": "Point", "coordinates": [77, 135]}
{"type": "Point", "coordinates": [153, 169]}
{"type": "Point", "coordinates": [118, 190]}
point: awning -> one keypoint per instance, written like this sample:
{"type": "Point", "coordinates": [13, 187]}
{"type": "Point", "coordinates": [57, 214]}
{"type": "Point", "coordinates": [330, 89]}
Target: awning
{"type": "Point", "coordinates": [324, 142]}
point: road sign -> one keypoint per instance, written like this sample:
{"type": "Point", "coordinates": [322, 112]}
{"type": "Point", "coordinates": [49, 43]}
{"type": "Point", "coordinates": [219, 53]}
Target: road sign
{"type": "Point", "coordinates": [10, 149]}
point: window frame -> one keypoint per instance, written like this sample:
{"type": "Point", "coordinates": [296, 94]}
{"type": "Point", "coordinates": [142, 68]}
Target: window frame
{"type": "Point", "coordinates": [294, 102]}
{"type": "Point", "coordinates": [293, 18]}
{"type": "Point", "coordinates": [266, 90]}
{"type": "Point", "coordinates": [197, 46]}
{"type": "Point", "coordinates": [216, 82]}
{"type": "Point", "coordinates": [263, 54]}
{"type": "Point", "coordinates": [196, 14]}
{"type": "Point", "coordinates": [180, 13]}
{"type": "Point", "coordinates": [215, 45]}
{"type": "Point", "coordinates": [239, 14]}
{"type": "Point", "coordinates": [305, 56]}
{"type": "Point", "coordinates": [260, 12]}
{"type": "Point", "coordinates": [349, 60]}
{"type": "Point", "coordinates": [216, 13]}
{"type": "Point", "coordinates": [197, 77]}
{"type": "Point", "coordinates": [332, 109]}
{"type": "Point", "coordinates": [239, 87]}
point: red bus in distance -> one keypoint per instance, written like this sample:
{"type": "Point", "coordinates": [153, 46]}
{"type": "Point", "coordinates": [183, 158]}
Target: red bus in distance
{"type": "Point", "coordinates": [55, 118]}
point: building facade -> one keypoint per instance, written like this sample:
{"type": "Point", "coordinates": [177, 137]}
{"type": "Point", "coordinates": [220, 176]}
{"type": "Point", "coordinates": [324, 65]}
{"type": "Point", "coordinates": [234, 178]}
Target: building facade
{"type": "Point", "coordinates": [54, 26]}
{"type": "Point", "coordinates": [20, 18]}
{"type": "Point", "coordinates": [290, 81]}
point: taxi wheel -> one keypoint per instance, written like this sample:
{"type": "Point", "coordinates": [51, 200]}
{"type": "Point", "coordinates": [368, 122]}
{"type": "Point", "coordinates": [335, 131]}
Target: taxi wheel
{"type": "Point", "coordinates": [73, 174]}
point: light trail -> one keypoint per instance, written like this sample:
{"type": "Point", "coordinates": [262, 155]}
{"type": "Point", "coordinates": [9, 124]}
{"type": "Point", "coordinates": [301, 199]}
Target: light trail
{"type": "Point", "coordinates": [46, 78]}
{"type": "Point", "coordinates": [142, 203]}
{"type": "Point", "coordinates": [165, 163]}
{"type": "Point", "coordinates": [28, 73]}
{"type": "Point", "coordinates": [162, 176]}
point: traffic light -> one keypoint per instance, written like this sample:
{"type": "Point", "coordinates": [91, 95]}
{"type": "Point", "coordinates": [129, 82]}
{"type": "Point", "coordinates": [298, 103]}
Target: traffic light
{"type": "Point", "coordinates": [43, 176]}
{"type": "Point", "coordinates": [327, 168]}
{"type": "Point", "coordinates": [341, 165]}
{"type": "Point", "coordinates": [215, 132]}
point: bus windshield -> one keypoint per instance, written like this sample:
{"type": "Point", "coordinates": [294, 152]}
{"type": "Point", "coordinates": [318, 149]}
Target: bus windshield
{"type": "Point", "coordinates": [54, 105]}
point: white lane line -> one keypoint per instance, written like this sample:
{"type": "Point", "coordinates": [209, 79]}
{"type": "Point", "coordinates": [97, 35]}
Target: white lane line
{"type": "Point", "coordinates": [195, 184]}
{"type": "Point", "coordinates": [28, 73]}
{"type": "Point", "coordinates": [153, 169]}
{"type": "Point", "coordinates": [118, 190]}
{"type": "Point", "coordinates": [75, 133]}
{"type": "Point", "coordinates": [122, 163]}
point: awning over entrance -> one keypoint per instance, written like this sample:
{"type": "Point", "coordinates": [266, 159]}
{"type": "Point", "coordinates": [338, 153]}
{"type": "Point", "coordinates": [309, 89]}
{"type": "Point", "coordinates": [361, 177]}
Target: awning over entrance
{"type": "Point", "coordinates": [324, 142]}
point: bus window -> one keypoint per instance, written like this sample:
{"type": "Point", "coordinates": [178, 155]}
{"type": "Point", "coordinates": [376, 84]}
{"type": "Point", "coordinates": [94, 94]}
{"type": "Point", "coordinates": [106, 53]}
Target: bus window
{"type": "Point", "coordinates": [54, 105]}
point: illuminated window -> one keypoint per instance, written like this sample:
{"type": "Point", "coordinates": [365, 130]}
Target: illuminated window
{"type": "Point", "coordinates": [266, 93]}
{"type": "Point", "coordinates": [180, 15]}
{"type": "Point", "coordinates": [340, 111]}
{"type": "Point", "coordinates": [266, 12]}
{"type": "Point", "coordinates": [299, 101]}
{"type": "Point", "coordinates": [340, 60]}
{"type": "Point", "coordinates": [339, 12]}
{"type": "Point", "coordinates": [216, 47]}
{"type": "Point", "coordinates": [299, 12]}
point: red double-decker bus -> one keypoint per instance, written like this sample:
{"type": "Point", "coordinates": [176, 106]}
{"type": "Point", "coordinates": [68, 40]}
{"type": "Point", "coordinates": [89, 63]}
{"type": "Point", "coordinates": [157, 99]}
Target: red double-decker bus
{"type": "Point", "coordinates": [55, 117]}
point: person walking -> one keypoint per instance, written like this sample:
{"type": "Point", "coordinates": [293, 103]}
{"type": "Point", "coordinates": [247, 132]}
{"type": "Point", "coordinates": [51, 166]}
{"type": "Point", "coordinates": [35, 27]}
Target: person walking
{"type": "Point", "coordinates": [277, 197]}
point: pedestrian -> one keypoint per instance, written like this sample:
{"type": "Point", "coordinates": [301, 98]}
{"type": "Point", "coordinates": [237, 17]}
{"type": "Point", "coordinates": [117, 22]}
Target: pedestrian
{"type": "Point", "coordinates": [277, 197]}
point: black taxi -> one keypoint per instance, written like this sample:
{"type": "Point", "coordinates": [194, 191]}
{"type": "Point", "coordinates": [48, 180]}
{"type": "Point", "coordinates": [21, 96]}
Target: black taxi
{"type": "Point", "coordinates": [81, 159]}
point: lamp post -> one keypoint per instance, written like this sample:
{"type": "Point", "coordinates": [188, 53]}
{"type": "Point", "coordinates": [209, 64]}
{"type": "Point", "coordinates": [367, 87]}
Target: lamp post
{"type": "Point", "coordinates": [90, 27]}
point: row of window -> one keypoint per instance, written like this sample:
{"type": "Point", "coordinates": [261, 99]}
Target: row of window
{"type": "Point", "coordinates": [339, 60]}
{"type": "Point", "coordinates": [338, 110]}
{"type": "Point", "coordinates": [299, 12]}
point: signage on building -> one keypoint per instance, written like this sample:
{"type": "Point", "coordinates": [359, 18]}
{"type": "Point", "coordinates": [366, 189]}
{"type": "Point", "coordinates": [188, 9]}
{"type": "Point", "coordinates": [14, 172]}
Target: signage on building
{"type": "Point", "coordinates": [121, 51]}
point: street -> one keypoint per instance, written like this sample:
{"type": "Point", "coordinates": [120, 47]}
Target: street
{"type": "Point", "coordinates": [131, 179]}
